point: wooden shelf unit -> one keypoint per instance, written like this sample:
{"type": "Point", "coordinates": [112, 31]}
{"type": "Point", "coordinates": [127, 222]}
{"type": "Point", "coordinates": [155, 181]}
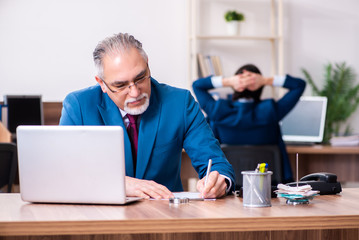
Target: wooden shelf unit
{"type": "Point", "coordinates": [275, 37]}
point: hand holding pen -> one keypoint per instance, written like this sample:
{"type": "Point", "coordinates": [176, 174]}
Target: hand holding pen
{"type": "Point", "coordinates": [213, 185]}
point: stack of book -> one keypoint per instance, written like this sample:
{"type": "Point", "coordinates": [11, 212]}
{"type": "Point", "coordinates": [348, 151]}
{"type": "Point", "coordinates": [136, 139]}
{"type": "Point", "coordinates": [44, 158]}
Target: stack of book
{"type": "Point", "coordinates": [209, 65]}
{"type": "Point", "coordinates": [345, 141]}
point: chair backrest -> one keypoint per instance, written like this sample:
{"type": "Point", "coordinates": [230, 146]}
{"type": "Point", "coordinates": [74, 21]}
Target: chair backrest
{"type": "Point", "coordinates": [246, 158]}
{"type": "Point", "coordinates": [8, 165]}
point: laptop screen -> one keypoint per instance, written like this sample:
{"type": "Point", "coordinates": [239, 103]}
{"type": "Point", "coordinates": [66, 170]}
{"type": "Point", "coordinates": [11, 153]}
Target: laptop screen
{"type": "Point", "coordinates": [72, 164]}
{"type": "Point", "coordinates": [305, 123]}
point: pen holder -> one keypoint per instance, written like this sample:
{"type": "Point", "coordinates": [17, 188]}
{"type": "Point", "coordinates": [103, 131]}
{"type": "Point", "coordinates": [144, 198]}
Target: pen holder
{"type": "Point", "coordinates": [256, 189]}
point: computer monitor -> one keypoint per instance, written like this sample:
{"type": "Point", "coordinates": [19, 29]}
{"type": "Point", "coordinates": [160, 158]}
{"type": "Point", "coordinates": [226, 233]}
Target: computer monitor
{"type": "Point", "coordinates": [23, 110]}
{"type": "Point", "coordinates": [305, 123]}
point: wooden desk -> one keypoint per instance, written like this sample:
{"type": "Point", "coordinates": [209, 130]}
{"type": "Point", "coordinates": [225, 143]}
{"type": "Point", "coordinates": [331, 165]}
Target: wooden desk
{"type": "Point", "coordinates": [343, 161]}
{"type": "Point", "coordinates": [326, 217]}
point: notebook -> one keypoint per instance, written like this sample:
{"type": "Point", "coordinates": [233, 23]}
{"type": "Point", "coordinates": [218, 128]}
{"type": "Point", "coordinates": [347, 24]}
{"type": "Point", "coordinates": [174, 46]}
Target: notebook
{"type": "Point", "coordinates": [72, 164]}
{"type": "Point", "coordinates": [305, 123]}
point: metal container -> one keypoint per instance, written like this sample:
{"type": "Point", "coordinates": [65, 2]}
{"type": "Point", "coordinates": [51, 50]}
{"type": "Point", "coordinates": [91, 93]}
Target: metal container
{"type": "Point", "coordinates": [256, 189]}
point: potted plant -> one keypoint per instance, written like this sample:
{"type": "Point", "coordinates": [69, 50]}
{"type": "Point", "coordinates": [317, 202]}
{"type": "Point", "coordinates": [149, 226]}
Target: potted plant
{"type": "Point", "coordinates": [233, 18]}
{"type": "Point", "coordinates": [343, 97]}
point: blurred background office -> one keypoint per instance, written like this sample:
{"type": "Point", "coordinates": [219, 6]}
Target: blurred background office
{"type": "Point", "coordinates": [46, 45]}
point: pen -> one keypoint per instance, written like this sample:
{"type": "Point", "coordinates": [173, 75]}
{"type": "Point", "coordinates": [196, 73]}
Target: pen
{"type": "Point", "coordinates": [208, 171]}
{"type": "Point", "coordinates": [263, 167]}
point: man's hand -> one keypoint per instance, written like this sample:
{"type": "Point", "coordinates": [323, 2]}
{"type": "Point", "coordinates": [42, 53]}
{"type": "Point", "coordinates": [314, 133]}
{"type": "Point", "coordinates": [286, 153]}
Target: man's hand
{"type": "Point", "coordinates": [215, 188]}
{"type": "Point", "coordinates": [256, 80]}
{"type": "Point", "coordinates": [146, 189]}
{"type": "Point", "coordinates": [237, 82]}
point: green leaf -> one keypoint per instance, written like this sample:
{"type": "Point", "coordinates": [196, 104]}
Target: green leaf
{"type": "Point", "coordinates": [233, 16]}
{"type": "Point", "coordinates": [342, 94]}
{"type": "Point", "coordinates": [311, 82]}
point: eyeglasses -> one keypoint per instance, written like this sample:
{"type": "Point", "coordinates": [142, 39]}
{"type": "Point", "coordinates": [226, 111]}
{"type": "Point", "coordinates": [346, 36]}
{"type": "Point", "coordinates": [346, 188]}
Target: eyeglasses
{"type": "Point", "coordinates": [121, 86]}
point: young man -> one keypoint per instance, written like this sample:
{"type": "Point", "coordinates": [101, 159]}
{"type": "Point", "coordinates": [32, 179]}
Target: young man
{"type": "Point", "coordinates": [161, 121]}
{"type": "Point", "coordinates": [246, 119]}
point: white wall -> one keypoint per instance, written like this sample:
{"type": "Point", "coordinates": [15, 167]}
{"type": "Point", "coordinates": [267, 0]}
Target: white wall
{"type": "Point", "coordinates": [319, 32]}
{"type": "Point", "coordinates": [46, 45]}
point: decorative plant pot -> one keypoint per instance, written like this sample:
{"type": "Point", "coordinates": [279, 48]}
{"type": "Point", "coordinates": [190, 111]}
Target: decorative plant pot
{"type": "Point", "coordinates": [233, 28]}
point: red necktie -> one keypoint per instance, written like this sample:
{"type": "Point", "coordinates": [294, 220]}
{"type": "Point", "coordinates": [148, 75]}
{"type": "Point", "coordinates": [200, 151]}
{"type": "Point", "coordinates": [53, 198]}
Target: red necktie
{"type": "Point", "coordinates": [132, 131]}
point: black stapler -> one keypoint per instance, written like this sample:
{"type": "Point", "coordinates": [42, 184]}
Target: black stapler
{"type": "Point", "coordinates": [325, 183]}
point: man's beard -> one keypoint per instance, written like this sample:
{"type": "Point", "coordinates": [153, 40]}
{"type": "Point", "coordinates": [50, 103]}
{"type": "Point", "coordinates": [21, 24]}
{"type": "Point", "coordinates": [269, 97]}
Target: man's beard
{"type": "Point", "coordinates": [137, 110]}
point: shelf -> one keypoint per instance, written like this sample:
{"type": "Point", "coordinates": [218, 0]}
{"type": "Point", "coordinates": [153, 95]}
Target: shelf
{"type": "Point", "coordinates": [197, 39]}
{"type": "Point", "coordinates": [226, 37]}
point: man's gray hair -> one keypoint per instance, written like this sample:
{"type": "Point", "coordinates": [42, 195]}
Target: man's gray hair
{"type": "Point", "coordinates": [116, 44]}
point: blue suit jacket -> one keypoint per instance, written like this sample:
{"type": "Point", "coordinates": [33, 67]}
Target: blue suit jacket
{"type": "Point", "coordinates": [173, 121]}
{"type": "Point", "coordinates": [249, 123]}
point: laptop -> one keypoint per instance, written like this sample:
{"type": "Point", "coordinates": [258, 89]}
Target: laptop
{"type": "Point", "coordinates": [305, 123]}
{"type": "Point", "coordinates": [72, 164]}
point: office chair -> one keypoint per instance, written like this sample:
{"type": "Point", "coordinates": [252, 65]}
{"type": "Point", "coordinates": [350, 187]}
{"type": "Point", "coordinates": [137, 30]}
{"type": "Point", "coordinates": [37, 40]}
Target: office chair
{"type": "Point", "coordinates": [8, 165]}
{"type": "Point", "coordinates": [246, 158]}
